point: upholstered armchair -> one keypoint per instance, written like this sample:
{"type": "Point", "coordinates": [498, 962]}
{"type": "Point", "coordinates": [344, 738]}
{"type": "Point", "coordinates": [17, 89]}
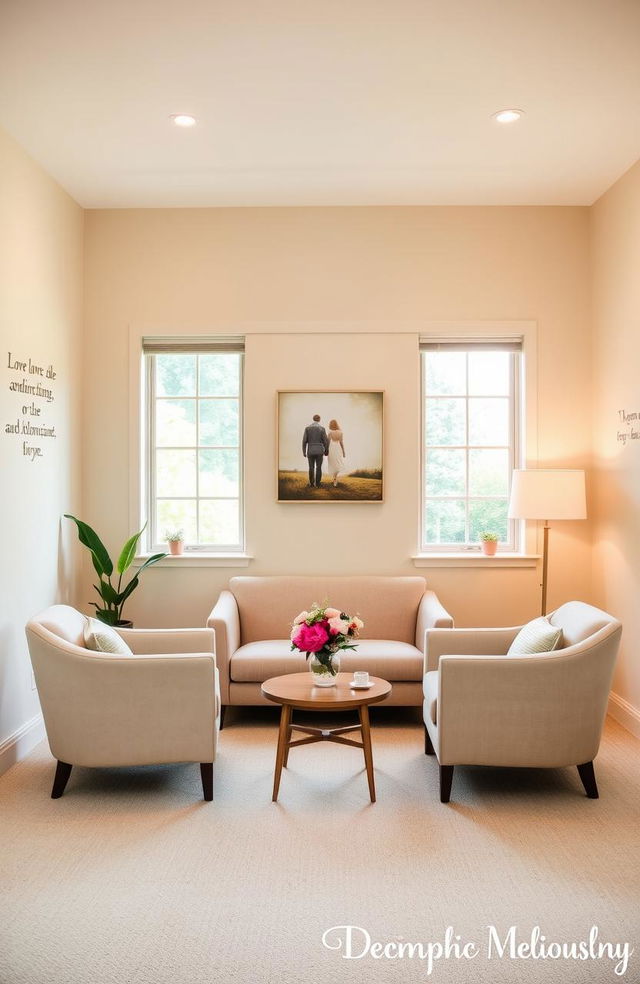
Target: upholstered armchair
{"type": "Point", "coordinates": [482, 707]}
{"type": "Point", "coordinates": [159, 705]}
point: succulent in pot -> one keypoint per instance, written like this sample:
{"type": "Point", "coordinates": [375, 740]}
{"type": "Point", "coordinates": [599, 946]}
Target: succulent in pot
{"type": "Point", "coordinates": [489, 543]}
{"type": "Point", "coordinates": [175, 539]}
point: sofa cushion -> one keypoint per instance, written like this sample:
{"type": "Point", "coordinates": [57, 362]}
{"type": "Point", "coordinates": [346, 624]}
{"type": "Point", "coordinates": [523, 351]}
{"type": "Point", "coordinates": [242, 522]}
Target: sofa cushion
{"type": "Point", "coordinates": [430, 691]}
{"type": "Point", "coordinates": [387, 605]}
{"type": "Point", "coordinates": [258, 661]}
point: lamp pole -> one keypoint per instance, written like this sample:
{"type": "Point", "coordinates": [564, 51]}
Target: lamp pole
{"type": "Point", "coordinates": [545, 564]}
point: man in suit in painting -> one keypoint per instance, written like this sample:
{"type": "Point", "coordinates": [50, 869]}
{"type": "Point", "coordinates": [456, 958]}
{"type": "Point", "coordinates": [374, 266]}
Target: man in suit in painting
{"type": "Point", "coordinates": [315, 445]}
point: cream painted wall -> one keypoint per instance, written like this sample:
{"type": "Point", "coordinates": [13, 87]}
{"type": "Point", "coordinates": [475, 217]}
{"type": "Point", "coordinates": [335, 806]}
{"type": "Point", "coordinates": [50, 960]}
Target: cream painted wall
{"type": "Point", "coordinates": [41, 264]}
{"type": "Point", "coordinates": [615, 235]}
{"type": "Point", "coordinates": [236, 270]}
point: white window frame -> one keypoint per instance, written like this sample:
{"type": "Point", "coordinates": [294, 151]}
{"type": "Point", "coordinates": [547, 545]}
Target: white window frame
{"type": "Point", "coordinates": [152, 347]}
{"type": "Point", "coordinates": [517, 430]}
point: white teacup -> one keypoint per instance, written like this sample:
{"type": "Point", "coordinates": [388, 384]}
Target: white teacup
{"type": "Point", "coordinates": [361, 678]}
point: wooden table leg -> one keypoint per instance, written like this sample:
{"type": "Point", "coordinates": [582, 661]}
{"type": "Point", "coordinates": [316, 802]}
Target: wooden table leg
{"type": "Point", "coordinates": [288, 740]}
{"type": "Point", "coordinates": [283, 734]}
{"type": "Point", "coordinates": [363, 710]}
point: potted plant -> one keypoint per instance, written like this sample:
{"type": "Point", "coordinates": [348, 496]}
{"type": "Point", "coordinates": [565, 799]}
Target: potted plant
{"type": "Point", "coordinates": [489, 543]}
{"type": "Point", "coordinates": [113, 597]}
{"type": "Point", "coordinates": [175, 539]}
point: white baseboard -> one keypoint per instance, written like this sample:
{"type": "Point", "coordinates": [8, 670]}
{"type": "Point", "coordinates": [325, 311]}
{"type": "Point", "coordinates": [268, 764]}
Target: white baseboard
{"type": "Point", "coordinates": [624, 713]}
{"type": "Point", "coordinates": [18, 745]}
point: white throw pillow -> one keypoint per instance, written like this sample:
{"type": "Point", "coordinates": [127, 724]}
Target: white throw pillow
{"type": "Point", "coordinates": [102, 638]}
{"type": "Point", "coordinates": [538, 636]}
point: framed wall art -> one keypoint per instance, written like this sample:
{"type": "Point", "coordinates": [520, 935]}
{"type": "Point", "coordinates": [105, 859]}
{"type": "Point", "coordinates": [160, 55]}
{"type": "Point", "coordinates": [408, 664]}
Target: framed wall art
{"type": "Point", "coordinates": [330, 445]}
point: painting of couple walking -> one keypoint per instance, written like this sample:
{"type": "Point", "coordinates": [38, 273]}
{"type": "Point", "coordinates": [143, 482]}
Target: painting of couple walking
{"type": "Point", "coordinates": [330, 446]}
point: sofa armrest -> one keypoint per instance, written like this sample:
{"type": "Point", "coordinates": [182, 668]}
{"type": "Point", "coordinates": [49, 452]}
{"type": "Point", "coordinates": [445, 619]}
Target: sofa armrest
{"type": "Point", "coordinates": [225, 621]}
{"type": "Point", "coordinates": [471, 642]}
{"type": "Point", "coordinates": [143, 642]}
{"type": "Point", "coordinates": [431, 615]}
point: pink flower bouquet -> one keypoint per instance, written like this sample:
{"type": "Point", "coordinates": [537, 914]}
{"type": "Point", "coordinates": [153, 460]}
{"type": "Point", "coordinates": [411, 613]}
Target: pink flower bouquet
{"type": "Point", "coordinates": [324, 631]}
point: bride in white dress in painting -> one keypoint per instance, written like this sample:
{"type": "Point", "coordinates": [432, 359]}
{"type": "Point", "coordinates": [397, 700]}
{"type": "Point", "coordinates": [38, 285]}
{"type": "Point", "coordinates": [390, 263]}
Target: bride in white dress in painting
{"type": "Point", "coordinates": [336, 451]}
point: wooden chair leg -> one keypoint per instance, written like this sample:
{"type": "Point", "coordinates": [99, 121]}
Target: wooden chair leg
{"type": "Point", "coordinates": [223, 711]}
{"type": "Point", "coordinates": [63, 771]}
{"type": "Point", "coordinates": [588, 777]}
{"type": "Point", "coordinates": [446, 778]}
{"type": "Point", "coordinates": [428, 745]}
{"type": "Point", "coordinates": [206, 774]}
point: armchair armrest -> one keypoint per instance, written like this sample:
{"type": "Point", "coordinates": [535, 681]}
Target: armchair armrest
{"type": "Point", "coordinates": [109, 711]}
{"type": "Point", "coordinates": [528, 710]}
{"type": "Point", "coordinates": [150, 641]}
{"type": "Point", "coordinates": [431, 614]}
{"type": "Point", "coordinates": [467, 642]}
{"type": "Point", "coordinates": [225, 621]}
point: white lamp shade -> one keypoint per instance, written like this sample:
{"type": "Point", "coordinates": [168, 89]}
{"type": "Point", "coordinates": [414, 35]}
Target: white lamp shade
{"type": "Point", "coordinates": [548, 494]}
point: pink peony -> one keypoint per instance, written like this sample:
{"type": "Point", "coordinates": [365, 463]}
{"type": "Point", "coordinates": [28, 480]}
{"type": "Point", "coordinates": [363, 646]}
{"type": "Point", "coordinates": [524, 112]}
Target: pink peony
{"type": "Point", "coordinates": [300, 618]}
{"type": "Point", "coordinates": [332, 612]}
{"type": "Point", "coordinates": [310, 638]}
{"type": "Point", "coordinates": [338, 625]}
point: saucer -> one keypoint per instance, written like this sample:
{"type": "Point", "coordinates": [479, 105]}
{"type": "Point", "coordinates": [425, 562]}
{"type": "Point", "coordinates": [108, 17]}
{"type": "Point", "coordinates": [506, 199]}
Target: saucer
{"type": "Point", "coordinates": [360, 686]}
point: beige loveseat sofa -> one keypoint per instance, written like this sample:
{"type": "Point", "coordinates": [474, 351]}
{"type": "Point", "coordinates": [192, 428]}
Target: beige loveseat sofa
{"type": "Point", "coordinates": [252, 622]}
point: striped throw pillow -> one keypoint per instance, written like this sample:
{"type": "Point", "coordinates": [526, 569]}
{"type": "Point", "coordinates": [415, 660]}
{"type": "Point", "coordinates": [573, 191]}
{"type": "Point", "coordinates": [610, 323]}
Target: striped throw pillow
{"type": "Point", "coordinates": [538, 636]}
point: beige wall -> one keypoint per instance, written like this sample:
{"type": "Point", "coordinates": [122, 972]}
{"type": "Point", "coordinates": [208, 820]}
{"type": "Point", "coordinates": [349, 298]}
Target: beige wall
{"type": "Point", "coordinates": [356, 285]}
{"type": "Point", "coordinates": [615, 234]}
{"type": "Point", "coordinates": [237, 270]}
{"type": "Point", "coordinates": [41, 259]}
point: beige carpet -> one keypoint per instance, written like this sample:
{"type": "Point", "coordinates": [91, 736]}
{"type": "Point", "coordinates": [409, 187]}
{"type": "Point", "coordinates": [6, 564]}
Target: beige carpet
{"type": "Point", "coordinates": [132, 879]}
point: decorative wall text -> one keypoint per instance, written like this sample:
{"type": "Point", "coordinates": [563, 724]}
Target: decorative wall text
{"type": "Point", "coordinates": [34, 388]}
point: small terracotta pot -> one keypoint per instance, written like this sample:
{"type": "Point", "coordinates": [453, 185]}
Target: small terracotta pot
{"type": "Point", "coordinates": [489, 547]}
{"type": "Point", "coordinates": [176, 547]}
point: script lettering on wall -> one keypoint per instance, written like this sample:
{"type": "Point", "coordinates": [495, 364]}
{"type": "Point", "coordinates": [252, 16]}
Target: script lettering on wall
{"type": "Point", "coordinates": [34, 388]}
{"type": "Point", "coordinates": [628, 426]}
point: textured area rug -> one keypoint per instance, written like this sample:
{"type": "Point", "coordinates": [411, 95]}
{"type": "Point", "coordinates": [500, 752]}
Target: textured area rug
{"type": "Point", "coordinates": [131, 878]}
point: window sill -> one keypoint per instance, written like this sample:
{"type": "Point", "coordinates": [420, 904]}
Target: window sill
{"type": "Point", "coordinates": [474, 560]}
{"type": "Point", "coordinates": [198, 559]}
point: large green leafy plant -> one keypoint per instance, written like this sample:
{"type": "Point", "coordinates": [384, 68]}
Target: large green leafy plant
{"type": "Point", "coordinates": [113, 597]}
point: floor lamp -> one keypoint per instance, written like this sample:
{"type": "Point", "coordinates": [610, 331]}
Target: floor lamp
{"type": "Point", "coordinates": [546, 493]}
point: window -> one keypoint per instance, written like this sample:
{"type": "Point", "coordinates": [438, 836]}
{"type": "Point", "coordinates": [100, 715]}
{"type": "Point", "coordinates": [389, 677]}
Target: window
{"type": "Point", "coordinates": [194, 443]}
{"type": "Point", "coordinates": [471, 442]}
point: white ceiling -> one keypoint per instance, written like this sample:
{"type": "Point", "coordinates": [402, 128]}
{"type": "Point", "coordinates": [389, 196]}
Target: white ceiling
{"type": "Point", "coordinates": [324, 102]}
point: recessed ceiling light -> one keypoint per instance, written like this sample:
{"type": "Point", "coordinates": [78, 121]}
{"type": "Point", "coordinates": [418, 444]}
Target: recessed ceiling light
{"type": "Point", "coordinates": [508, 115]}
{"type": "Point", "coordinates": [182, 119]}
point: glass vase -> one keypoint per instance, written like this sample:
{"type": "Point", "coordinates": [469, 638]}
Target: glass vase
{"type": "Point", "coordinates": [324, 668]}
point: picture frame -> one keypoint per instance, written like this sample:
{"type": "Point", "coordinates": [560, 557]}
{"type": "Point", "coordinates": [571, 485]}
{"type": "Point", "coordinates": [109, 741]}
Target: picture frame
{"type": "Point", "coordinates": [348, 458]}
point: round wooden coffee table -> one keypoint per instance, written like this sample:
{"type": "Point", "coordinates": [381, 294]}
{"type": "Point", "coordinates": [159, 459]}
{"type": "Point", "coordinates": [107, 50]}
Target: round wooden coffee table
{"type": "Point", "coordinates": [296, 690]}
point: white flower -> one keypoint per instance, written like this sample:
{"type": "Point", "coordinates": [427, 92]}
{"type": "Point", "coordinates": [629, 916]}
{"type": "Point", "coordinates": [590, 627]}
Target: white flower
{"type": "Point", "coordinates": [338, 625]}
{"type": "Point", "coordinates": [299, 619]}
{"type": "Point", "coordinates": [332, 612]}
{"type": "Point", "coordinates": [356, 624]}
